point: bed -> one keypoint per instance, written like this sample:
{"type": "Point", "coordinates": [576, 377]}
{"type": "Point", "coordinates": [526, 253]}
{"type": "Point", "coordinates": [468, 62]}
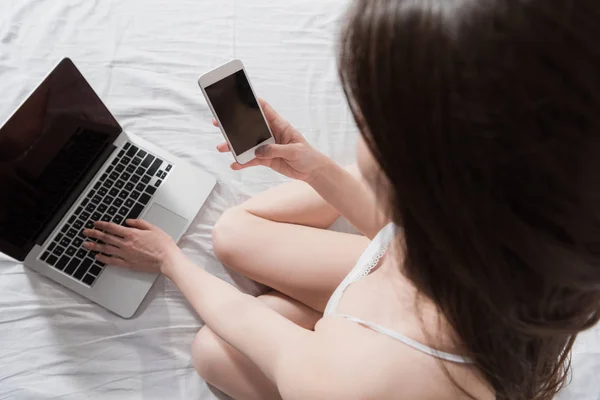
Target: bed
{"type": "Point", "coordinates": [143, 57]}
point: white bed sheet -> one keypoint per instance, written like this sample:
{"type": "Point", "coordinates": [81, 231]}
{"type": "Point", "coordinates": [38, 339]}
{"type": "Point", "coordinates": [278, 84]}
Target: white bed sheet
{"type": "Point", "coordinates": [143, 57]}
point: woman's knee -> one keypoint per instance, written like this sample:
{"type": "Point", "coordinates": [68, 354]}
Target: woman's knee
{"type": "Point", "coordinates": [207, 354]}
{"type": "Point", "coordinates": [227, 234]}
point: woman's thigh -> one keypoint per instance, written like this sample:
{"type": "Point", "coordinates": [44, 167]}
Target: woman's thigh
{"type": "Point", "coordinates": [303, 262]}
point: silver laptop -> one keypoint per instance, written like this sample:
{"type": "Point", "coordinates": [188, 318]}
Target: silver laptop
{"type": "Point", "coordinates": [65, 162]}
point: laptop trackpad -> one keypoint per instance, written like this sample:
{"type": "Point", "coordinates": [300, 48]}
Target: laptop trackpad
{"type": "Point", "coordinates": [166, 220]}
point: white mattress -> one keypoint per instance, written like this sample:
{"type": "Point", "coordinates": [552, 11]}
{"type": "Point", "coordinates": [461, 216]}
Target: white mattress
{"type": "Point", "coordinates": [143, 57]}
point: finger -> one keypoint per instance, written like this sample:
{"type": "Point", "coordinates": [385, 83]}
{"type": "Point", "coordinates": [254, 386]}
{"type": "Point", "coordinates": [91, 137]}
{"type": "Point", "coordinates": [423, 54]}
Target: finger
{"type": "Point", "coordinates": [140, 224]}
{"type": "Point", "coordinates": [112, 228]}
{"type": "Point", "coordinates": [105, 237]}
{"type": "Point", "coordinates": [102, 248]}
{"type": "Point", "coordinates": [270, 114]}
{"type": "Point", "coordinates": [223, 148]}
{"type": "Point", "coordinates": [254, 163]}
{"type": "Point", "coordinates": [215, 123]}
{"type": "Point", "coordinates": [116, 261]}
{"type": "Point", "coordinates": [285, 151]}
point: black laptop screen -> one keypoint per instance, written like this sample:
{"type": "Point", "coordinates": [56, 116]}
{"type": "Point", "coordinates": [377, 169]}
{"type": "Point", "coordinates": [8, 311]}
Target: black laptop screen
{"type": "Point", "coordinates": [46, 147]}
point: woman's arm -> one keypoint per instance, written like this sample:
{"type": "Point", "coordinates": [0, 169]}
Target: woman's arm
{"type": "Point", "coordinates": [243, 321]}
{"type": "Point", "coordinates": [350, 197]}
{"type": "Point", "coordinates": [261, 334]}
{"type": "Point", "coordinates": [292, 156]}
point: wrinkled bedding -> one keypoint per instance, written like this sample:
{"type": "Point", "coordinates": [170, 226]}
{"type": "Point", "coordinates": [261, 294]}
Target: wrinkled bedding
{"type": "Point", "coordinates": [143, 57]}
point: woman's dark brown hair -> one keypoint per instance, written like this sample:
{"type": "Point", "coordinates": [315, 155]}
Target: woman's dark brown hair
{"type": "Point", "coordinates": [485, 117]}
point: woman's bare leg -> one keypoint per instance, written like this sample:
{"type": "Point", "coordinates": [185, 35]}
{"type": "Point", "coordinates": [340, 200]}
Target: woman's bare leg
{"type": "Point", "coordinates": [279, 239]}
{"type": "Point", "coordinates": [233, 373]}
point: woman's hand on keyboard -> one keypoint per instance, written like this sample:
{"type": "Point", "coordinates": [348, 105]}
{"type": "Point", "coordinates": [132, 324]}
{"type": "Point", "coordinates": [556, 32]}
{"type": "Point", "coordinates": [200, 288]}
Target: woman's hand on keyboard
{"type": "Point", "coordinates": [292, 156]}
{"type": "Point", "coordinates": [140, 246]}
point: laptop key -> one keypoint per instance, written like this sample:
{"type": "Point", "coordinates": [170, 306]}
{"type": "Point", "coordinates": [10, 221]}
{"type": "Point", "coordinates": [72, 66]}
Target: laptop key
{"type": "Point", "coordinates": [65, 242]}
{"type": "Point", "coordinates": [113, 192]}
{"type": "Point", "coordinates": [135, 211]}
{"type": "Point", "coordinates": [96, 216]}
{"type": "Point", "coordinates": [78, 211]}
{"type": "Point", "coordinates": [102, 207]}
{"type": "Point", "coordinates": [119, 184]}
{"type": "Point", "coordinates": [51, 246]}
{"type": "Point", "coordinates": [108, 183]}
{"type": "Point", "coordinates": [169, 167]}
{"type": "Point", "coordinates": [80, 272]}
{"type": "Point", "coordinates": [88, 279]}
{"type": "Point", "coordinates": [136, 161]}
{"type": "Point", "coordinates": [155, 166]}
{"type": "Point", "coordinates": [77, 242]}
{"type": "Point", "coordinates": [72, 233]}
{"type": "Point", "coordinates": [64, 229]}
{"type": "Point", "coordinates": [95, 270]}
{"type": "Point", "coordinates": [81, 253]}
{"type": "Point", "coordinates": [141, 154]}
{"type": "Point", "coordinates": [52, 259]}
{"type": "Point", "coordinates": [105, 218]}
{"type": "Point", "coordinates": [108, 200]}
{"type": "Point", "coordinates": [146, 178]}
{"type": "Point", "coordinates": [58, 251]}
{"type": "Point", "coordinates": [72, 219]}
{"type": "Point", "coordinates": [140, 187]}
{"type": "Point", "coordinates": [62, 263]}
{"type": "Point", "coordinates": [127, 144]}
{"type": "Point", "coordinates": [132, 150]}
{"type": "Point", "coordinates": [135, 178]}
{"type": "Point", "coordinates": [145, 198]}
{"type": "Point", "coordinates": [129, 202]}
{"type": "Point", "coordinates": [140, 170]}
{"type": "Point", "coordinates": [102, 191]}
{"type": "Point", "coordinates": [126, 160]}
{"type": "Point", "coordinates": [117, 219]}
{"type": "Point", "coordinates": [147, 161]}
{"type": "Point", "coordinates": [109, 169]}
{"type": "Point", "coordinates": [89, 225]}
{"type": "Point", "coordinates": [125, 176]}
{"type": "Point", "coordinates": [129, 186]}
{"type": "Point", "coordinates": [90, 208]}
{"type": "Point", "coordinates": [130, 168]}
{"type": "Point", "coordinates": [78, 224]}
{"type": "Point", "coordinates": [135, 194]}
{"type": "Point", "coordinates": [103, 177]}
{"type": "Point", "coordinates": [150, 189]}
{"type": "Point", "coordinates": [84, 202]}
{"type": "Point", "coordinates": [70, 251]}
{"type": "Point", "coordinates": [121, 153]}
{"type": "Point", "coordinates": [73, 264]}
{"type": "Point", "coordinates": [85, 215]}
{"type": "Point", "coordinates": [114, 176]}
{"type": "Point", "coordinates": [124, 194]}
{"type": "Point", "coordinates": [157, 183]}
{"type": "Point", "coordinates": [112, 210]}
{"type": "Point", "coordinates": [123, 211]}
{"type": "Point", "coordinates": [44, 256]}
{"type": "Point", "coordinates": [97, 185]}
{"type": "Point", "coordinates": [96, 199]}
{"type": "Point", "coordinates": [118, 203]}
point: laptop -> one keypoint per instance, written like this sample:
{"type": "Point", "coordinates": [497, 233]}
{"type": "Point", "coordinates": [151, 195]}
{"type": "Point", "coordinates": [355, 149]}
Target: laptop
{"type": "Point", "coordinates": [65, 162]}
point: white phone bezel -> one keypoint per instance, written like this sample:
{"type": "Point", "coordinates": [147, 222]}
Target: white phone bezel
{"type": "Point", "coordinates": [218, 74]}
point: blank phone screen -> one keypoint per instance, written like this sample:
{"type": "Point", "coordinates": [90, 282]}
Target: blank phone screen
{"type": "Point", "coordinates": [238, 112]}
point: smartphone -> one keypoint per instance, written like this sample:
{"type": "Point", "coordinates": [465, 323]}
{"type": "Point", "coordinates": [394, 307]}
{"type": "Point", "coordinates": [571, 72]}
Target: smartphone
{"type": "Point", "coordinates": [233, 102]}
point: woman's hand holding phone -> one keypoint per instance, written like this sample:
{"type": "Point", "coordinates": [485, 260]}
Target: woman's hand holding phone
{"type": "Point", "coordinates": [292, 156]}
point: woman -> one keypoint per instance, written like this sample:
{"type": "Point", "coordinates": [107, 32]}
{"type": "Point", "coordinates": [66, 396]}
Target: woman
{"type": "Point", "coordinates": [480, 122]}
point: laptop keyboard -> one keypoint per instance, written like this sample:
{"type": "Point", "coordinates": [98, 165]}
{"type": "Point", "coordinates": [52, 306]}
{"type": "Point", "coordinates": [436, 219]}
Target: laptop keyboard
{"type": "Point", "coordinates": [121, 193]}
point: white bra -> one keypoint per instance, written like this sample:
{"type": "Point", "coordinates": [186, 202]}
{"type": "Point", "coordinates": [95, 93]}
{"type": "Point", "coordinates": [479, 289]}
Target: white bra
{"type": "Point", "coordinates": [367, 261]}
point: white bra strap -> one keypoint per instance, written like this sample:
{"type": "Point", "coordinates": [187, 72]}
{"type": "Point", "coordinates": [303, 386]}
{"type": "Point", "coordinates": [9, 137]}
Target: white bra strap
{"type": "Point", "coordinates": [409, 342]}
